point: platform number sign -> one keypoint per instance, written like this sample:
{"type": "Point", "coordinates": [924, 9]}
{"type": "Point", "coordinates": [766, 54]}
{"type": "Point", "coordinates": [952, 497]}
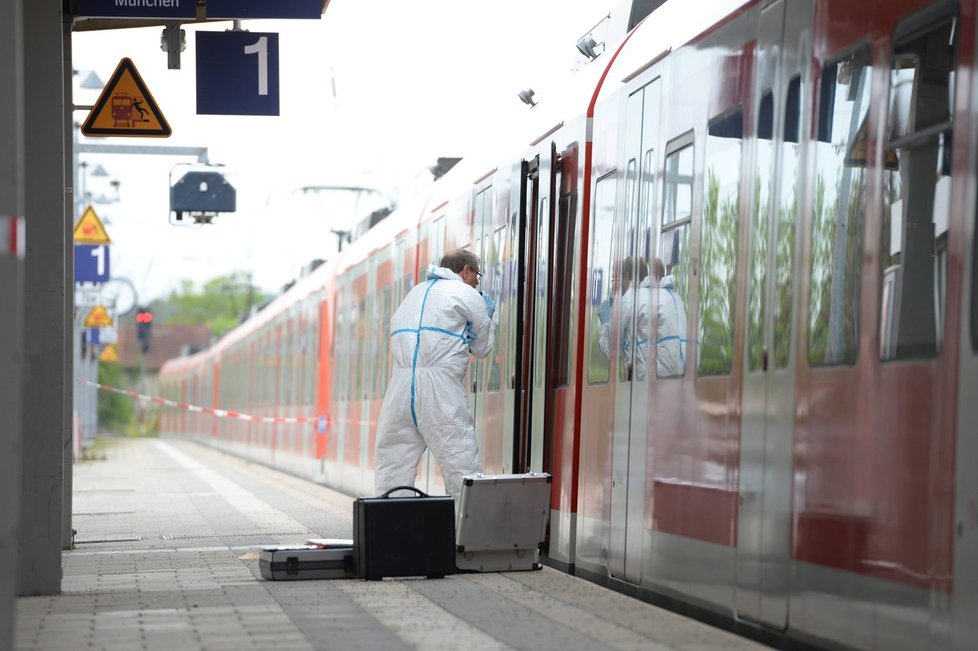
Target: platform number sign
{"type": "Point", "coordinates": [237, 73]}
{"type": "Point", "coordinates": [91, 263]}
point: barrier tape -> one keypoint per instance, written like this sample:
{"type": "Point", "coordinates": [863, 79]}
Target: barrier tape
{"type": "Point", "coordinates": [197, 409]}
{"type": "Point", "coordinates": [12, 236]}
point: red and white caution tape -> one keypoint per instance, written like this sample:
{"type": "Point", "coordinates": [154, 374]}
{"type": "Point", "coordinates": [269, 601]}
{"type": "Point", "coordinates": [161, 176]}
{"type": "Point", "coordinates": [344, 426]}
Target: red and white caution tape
{"type": "Point", "coordinates": [196, 409]}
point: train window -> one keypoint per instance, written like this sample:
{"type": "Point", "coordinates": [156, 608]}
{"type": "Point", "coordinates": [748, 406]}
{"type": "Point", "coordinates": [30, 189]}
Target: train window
{"type": "Point", "coordinates": [385, 339]}
{"type": "Point", "coordinates": [974, 290]}
{"type": "Point", "coordinates": [287, 363]}
{"type": "Point", "coordinates": [784, 261]}
{"type": "Point", "coordinates": [360, 341]}
{"type": "Point", "coordinates": [917, 189]}
{"type": "Point", "coordinates": [564, 285]}
{"type": "Point", "coordinates": [674, 254]}
{"type": "Point", "coordinates": [495, 287]}
{"type": "Point", "coordinates": [759, 231]}
{"type": "Point", "coordinates": [602, 235]}
{"type": "Point", "coordinates": [540, 298]}
{"type": "Point", "coordinates": [718, 247]}
{"type": "Point", "coordinates": [678, 201]}
{"type": "Point", "coordinates": [336, 360]}
{"type": "Point", "coordinates": [839, 209]}
{"type": "Point", "coordinates": [436, 240]}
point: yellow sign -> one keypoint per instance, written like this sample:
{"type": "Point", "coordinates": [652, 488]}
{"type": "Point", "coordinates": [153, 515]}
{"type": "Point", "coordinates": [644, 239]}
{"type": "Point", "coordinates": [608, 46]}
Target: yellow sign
{"type": "Point", "coordinates": [98, 317]}
{"type": "Point", "coordinates": [109, 354]}
{"type": "Point", "coordinates": [126, 108]}
{"type": "Point", "coordinates": [90, 230]}
{"type": "Point", "coordinates": [856, 155]}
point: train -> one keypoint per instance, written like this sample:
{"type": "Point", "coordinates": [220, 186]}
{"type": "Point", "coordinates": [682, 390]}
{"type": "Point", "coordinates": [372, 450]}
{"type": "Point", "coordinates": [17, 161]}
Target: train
{"type": "Point", "coordinates": [804, 172]}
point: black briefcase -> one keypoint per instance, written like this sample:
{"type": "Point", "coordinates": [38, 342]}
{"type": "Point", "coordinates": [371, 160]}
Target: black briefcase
{"type": "Point", "coordinates": [404, 536]}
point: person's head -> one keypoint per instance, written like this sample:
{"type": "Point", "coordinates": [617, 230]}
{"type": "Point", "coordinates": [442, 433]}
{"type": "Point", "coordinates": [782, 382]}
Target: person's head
{"type": "Point", "coordinates": [465, 264]}
{"type": "Point", "coordinates": [658, 269]}
{"type": "Point", "coordinates": [627, 271]}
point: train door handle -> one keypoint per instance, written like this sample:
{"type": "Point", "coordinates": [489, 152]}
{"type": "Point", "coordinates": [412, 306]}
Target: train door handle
{"type": "Point", "coordinates": [475, 385]}
{"type": "Point", "coordinates": [512, 381]}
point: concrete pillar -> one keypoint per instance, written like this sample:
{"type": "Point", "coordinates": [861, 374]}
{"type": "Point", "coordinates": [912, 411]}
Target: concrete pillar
{"type": "Point", "coordinates": [11, 301]}
{"type": "Point", "coordinates": [47, 341]}
{"type": "Point", "coordinates": [67, 353]}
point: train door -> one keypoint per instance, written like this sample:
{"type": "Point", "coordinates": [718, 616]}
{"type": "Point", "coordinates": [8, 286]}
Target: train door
{"type": "Point", "coordinates": [631, 325]}
{"type": "Point", "coordinates": [521, 373]}
{"type": "Point", "coordinates": [767, 419]}
{"type": "Point", "coordinates": [528, 454]}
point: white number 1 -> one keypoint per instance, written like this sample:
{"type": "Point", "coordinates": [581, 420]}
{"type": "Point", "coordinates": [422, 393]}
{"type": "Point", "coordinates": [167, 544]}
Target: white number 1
{"type": "Point", "coordinates": [99, 253]}
{"type": "Point", "coordinates": [261, 49]}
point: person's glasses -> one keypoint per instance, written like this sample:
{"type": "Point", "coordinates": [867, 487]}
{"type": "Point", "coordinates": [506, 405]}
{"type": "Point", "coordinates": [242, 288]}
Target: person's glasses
{"type": "Point", "coordinates": [478, 274]}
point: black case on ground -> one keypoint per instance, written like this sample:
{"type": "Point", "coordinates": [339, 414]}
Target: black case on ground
{"type": "Point", "coordinates": [404, 536]}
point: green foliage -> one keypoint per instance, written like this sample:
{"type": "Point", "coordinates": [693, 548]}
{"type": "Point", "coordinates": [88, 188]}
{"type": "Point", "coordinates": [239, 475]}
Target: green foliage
{"type": "Point", "coordinates": [219, 303]}
{"type": "Point", "coordinates": [144, 424]}
{"type": "Point", "coordinates": [717, 286]}
{"type": "Point", "coordinates": [599, 367]}
{"type": "Point", "coordinates": [114, 411]}
{"type": "Point", "coordinates": [836, 247]}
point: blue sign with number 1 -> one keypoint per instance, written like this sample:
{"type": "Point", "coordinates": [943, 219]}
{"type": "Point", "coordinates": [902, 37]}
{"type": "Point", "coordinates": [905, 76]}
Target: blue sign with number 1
{"type": "Point", "coordinates": [237, 73]}
{"type": "Point", "coordinates": [91, 263]}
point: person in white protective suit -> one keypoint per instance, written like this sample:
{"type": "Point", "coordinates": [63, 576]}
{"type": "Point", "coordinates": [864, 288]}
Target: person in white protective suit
{"type": "Point", "coordinates": [670, 320]}
{"type": "Point", "coordinates": [440, 322]}
{"type": "Point", "coordinates": [670, 325]}
{"type": "Point", "coordinates": [633, 295]}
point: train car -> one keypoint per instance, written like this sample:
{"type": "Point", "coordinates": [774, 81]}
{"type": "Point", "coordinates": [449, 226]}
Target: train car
{"type": "Point", "coordinates": [735, 273]}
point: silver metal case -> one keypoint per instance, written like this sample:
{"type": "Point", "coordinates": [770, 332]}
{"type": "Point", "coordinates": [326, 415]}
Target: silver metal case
{"type": "Point", "coordinates": [292, 562]}
{"type": "Point", "coordinates": [502, 521]}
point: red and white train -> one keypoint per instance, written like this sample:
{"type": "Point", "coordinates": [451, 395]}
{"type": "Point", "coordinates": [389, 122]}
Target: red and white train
{"type": "Point", "coordinates": [806, 170]}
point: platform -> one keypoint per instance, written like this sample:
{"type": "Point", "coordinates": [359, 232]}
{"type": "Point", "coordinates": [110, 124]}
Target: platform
{"type": "Point", "coordinates": [165, 559]}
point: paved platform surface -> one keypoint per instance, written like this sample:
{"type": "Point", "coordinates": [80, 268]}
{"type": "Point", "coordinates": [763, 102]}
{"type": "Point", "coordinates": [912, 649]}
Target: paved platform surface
{"type": "Point", "coordinates": [165, 559]}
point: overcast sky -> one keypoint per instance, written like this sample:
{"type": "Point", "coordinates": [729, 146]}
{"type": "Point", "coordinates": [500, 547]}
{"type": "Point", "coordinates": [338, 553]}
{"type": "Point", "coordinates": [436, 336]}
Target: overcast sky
{"type": "Point", "coordinates": [413, 81]}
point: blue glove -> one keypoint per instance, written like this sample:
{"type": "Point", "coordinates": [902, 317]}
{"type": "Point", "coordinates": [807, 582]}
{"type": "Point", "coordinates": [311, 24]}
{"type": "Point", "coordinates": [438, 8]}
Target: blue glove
{"type": "Point", "coordinates": [490, 303]}
{"type": "Point", "coordinates": [467, 335]}
{"type": "Point", "coordinates": [604, 311]}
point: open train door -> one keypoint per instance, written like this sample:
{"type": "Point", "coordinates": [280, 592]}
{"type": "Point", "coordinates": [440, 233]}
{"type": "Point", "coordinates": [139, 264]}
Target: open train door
{"type": "Point", "coordinates": [549, 201]}
{"type": "Point", "coordinates": [767, 425]}
{"type": "Point", "coordinates": [529, 378]}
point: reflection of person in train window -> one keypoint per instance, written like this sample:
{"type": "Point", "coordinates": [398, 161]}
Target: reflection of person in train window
{"type": "Point", "coordinates": [670, 324]}
{"type": "Point", "coordinates": [632, 295]}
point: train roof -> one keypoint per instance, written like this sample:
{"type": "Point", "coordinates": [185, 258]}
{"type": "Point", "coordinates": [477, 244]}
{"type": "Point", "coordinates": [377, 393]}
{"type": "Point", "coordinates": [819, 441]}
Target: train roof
{"type": "Point", "coordinates": [668, 28]}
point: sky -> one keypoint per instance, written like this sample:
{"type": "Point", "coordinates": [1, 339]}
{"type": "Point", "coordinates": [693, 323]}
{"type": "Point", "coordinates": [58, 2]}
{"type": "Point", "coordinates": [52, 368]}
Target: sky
{"type": "Point", "coordinates": [371, 95]}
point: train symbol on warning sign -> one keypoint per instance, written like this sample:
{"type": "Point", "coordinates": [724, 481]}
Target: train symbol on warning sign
{"type": "Point", "coordinates": [128, 110]}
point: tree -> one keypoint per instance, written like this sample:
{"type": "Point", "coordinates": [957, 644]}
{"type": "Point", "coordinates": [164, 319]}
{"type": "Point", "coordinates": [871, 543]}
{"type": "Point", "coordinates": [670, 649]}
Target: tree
{"type": "Point", "coordinates": [221, 303]}
{"type": "Point", "coordinates": [114, 410]}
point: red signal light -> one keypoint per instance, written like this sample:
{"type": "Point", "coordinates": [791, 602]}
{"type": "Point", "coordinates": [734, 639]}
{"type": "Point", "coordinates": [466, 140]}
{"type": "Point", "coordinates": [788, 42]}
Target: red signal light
{"type": "Point", "coordinates": [144, 317]}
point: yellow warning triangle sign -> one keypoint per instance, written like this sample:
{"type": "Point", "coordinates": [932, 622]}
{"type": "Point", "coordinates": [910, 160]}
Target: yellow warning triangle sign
{"type": "Point", "coordinates": [856, 154]}
{"type": "Point", "coordinates": [98, 317]}
{"type": "Point", "coordinates": [126, 108]}
{"type": "Point", "coordinates": [109, 354]}
{"type": "Point", "coordinates": [90, 230]}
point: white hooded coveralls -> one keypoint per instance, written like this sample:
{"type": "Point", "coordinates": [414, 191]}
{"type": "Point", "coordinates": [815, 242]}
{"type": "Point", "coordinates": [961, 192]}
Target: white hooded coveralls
{"type": "Point", "coordinates": [670, 327]}
{"type": "Point", "coordinates": [630, 299]}
{"type": "Point", "coordinates": [438, 324]}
